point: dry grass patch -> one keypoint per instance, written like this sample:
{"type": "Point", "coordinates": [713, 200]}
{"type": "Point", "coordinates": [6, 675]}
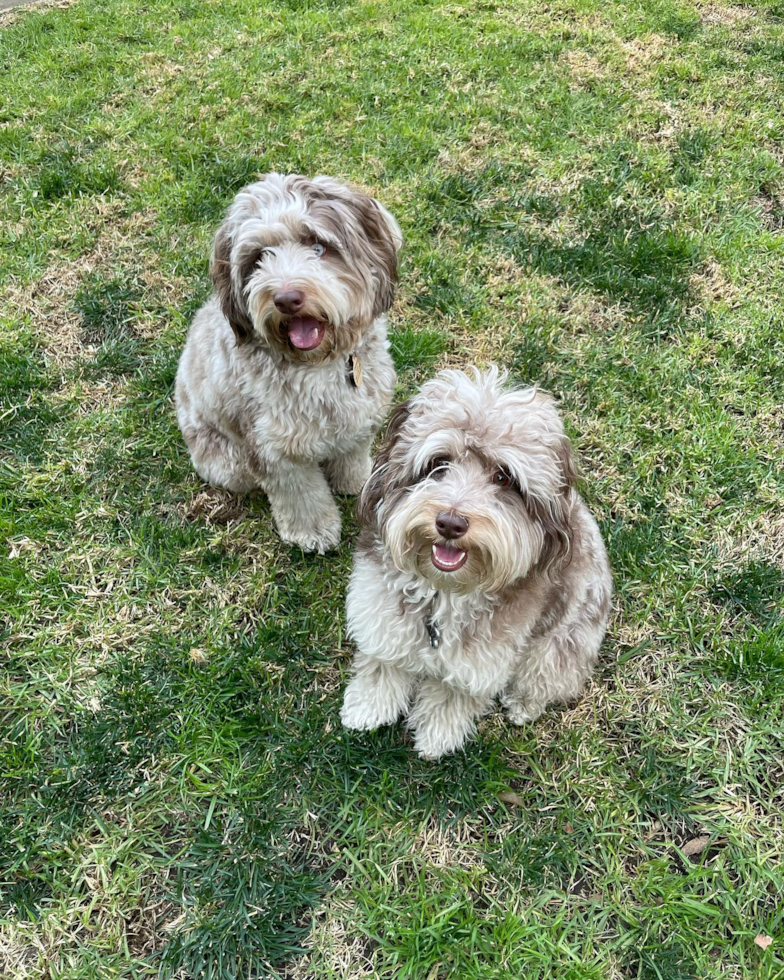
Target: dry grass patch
{"type": "Point", "coordinates": [335, 946]}
{"type": "Point", "coordinates": [11, 16]}
{"type": "Point", "coordinates": [713, 14]}
{"type": "Point", "coordinates": [641, 53]}
{"type": "Point", "coordinates": [585, 68]}
{"type": "Point", "coordinates": [712, 286]}
{"type": "Point", "coordinates": [49, 302]}
{"type": "Point", "coordinates": [111, 912]}
{"type": "Point", "coordinates": [742, 540]}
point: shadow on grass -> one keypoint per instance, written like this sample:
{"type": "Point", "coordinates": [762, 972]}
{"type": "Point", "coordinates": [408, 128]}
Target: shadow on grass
{"type": "Point", "coordinates": [207, 181]}
{"type": "Point", "coordinates": [24, 406]}
{"type": "Point", "coordinates": [620, 242]}
{"type": "Point", "coordinates": [255, 853]}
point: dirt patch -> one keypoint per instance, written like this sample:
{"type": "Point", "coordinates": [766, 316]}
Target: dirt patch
{"type": "Point", "coordinates": [771, 206]}
{"type": "Point", "coordinates": [213, 506]}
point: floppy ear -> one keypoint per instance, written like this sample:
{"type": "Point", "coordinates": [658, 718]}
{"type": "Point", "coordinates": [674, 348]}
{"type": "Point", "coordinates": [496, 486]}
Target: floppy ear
{"type": "Point", "coordinates": [381, 481]}
{"type": "Point", "coordinates": [385, 239]}
{"type": "Point", "coordinates": [230, 295]}
{"type": "Point", "coordinates": [567, 463]}
{"type": "Point", "coordinates": [555, 516]}
{"type": "Point", "coordinates": [393, 228]}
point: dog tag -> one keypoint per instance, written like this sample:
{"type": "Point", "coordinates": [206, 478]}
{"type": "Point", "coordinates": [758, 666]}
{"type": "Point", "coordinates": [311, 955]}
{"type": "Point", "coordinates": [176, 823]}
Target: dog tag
{"type": "Point", "coordinates": [434, 632]}
{"type": "Point", "coordinates": [355, 370]}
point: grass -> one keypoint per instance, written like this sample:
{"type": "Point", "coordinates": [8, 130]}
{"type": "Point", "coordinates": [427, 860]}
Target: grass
{"type": "Point", "coordinates": [592, 194]}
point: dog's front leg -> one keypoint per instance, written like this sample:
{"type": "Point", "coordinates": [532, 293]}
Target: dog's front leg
{"type": "Point", "coordinates": [377, 694]}
{"type": "Point", "coordinates": [442, 718]}
{"type": "Point", "coordinates": [348, 472]}
{"type": "Point", "coordinates": [302, 505]}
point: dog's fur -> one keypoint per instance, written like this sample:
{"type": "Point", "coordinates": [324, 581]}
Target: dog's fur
{"type": "Point", "coordinates": [256, 411]}
{"type": "Point", "coordinates": [524, 617]}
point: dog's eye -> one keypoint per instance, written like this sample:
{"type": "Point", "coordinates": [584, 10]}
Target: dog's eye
{"type": "Point", "coordinates": [502, 479]}
{"type": "Point", "coordinates": [437, 467]}
{"type": "Point", "coordinates": [250, 261]}
{"type": "Point", "coordinates": [319, 249]}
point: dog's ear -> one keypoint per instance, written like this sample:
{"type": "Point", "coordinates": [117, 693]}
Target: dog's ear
{"type": "Point", "coordinates": [230, 295]}
{"type": "Point", "coordinates": [385, 240]}
{"type": "Point", "coordinates": [555, 515]}
{"type": "Point", "coordinates": [563, 451]}
{"type": "Point", "coordinates": [381, 481]}
{"type": "Point", "coordinates": [393, 228]}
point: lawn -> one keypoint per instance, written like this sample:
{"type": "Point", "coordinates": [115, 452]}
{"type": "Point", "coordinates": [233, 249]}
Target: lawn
{"type": "Point", "coordinates": [592, 194]}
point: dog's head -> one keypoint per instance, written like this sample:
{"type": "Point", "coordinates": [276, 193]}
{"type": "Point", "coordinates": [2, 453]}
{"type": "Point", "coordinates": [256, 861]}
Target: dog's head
{"type": "Point", "coordinates": [473, 488]}
{"type": "Point", "coordinates": [305, 266]}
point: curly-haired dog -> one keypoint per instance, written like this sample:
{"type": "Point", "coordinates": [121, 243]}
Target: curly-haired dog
{"type": "Point", "coordinates": [286, 374]}
{"type": "Point", "coordinates": [479, 573]}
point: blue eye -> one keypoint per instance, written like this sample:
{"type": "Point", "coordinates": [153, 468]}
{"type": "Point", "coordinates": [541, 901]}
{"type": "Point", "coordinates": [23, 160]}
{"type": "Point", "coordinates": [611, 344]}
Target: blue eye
{"type": "Point", "coordinates": [319, 249]}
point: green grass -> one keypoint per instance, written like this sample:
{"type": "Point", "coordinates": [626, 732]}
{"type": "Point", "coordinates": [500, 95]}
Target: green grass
{"type": "Point", "coordinates": [592, 194]}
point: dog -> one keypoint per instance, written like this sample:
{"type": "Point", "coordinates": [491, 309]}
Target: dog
{"type": "Point", "coordinates": [286, 374]}
{"type": "Point", "coordinates": [479, 572]}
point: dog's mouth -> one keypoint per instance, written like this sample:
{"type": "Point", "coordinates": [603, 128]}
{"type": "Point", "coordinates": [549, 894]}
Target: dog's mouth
{"type": "Point", "coordinates": [304, 332]}
{"type": "Point", "coordinates": [447, 558]}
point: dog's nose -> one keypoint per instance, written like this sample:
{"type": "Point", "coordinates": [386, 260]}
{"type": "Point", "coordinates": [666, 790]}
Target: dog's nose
{"type": "Point", "coordinates": [289, 300]}
{"type": "Point", "coordinates": [451, 525]}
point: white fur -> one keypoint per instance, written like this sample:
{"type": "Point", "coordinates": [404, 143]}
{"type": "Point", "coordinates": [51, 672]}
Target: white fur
{"type": "Point", "coordinates": [510, 627]}
{"type": "Point", "coordinates": [257, 413]}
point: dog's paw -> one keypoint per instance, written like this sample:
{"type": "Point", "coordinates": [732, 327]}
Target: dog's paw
{"type": "Point", "coordinates": [438, 733]}
{"type": "Point", "coordinates": [523, 712]}
{"type": "Point", "coordinates": [316, 537]}
{"type": "Point", "coordinates": [432, 742]}
{"type": "Point", "coordinates": [371, 704]}
{"type": "Point", "coordinates": [349, 476]}
{"type": "Point", "coordinates": [443, 719]}
{"type": "Point", "coordinates": [360, 717]}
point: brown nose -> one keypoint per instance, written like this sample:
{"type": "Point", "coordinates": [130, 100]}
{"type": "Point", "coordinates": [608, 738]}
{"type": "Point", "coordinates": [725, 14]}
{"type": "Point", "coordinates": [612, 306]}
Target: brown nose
{"type": "Point", "coordinates": [289, 300]}
{"type": "Point", "coordinates": [451, 525]}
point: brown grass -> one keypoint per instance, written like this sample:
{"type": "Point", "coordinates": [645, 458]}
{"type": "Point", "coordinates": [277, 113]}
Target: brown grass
{"type": "Point", "coordinates": [713, 14]}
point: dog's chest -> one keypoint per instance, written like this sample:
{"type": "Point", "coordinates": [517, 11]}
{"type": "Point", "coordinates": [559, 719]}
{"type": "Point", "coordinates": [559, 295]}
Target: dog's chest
{"type": "Point", "coordinates": [449, 630]}
{"type": "Point", "coordinates": [310, 414]}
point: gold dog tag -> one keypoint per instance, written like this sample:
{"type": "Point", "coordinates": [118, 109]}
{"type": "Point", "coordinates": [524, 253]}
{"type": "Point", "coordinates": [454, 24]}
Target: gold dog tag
{"type": "Point", "coordinates": [355, 370]}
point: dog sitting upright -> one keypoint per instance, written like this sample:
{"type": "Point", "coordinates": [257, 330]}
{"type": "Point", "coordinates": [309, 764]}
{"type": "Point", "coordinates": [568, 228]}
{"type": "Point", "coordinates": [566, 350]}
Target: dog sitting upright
{"type": "Point", "coordinates": [479, 573]}
{"type": "Point", "coordinates": [286, 373]}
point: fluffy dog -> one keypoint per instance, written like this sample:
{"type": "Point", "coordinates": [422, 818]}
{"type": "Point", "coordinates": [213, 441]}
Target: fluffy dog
{"type": "Point", "coordinates": [479, 573]}
{"type": "Point", "coordinates": [286, 373]}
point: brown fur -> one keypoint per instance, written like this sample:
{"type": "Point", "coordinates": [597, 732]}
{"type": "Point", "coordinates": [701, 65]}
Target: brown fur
{"type": "Point", "coordinates": [382, 480]}
{"type": "Point", "coordinates": [230, 295]}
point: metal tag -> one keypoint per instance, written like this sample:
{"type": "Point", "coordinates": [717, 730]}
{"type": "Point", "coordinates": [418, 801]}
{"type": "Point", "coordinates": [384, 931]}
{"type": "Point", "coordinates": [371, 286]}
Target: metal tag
{"type": "Point", "coordinates": [434, 632]}
{"type": "Point", "coordinates": [354, 370]}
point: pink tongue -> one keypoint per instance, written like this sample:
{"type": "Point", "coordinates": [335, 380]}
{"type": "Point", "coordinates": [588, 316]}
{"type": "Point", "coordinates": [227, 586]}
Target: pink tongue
{"type": "Point", "coordinates": [447, 554]}
{"type": "Point", "coordinates": [305, 332]}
